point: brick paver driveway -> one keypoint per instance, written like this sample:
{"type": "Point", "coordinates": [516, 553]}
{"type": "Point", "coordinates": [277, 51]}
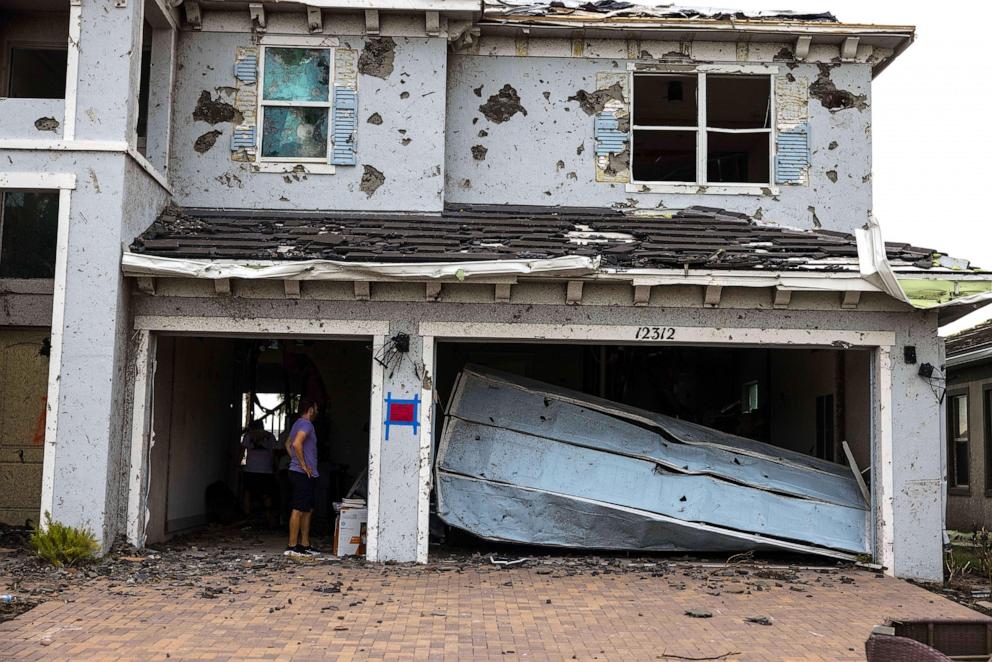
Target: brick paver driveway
{"type": "Point", "coordinates": [463, 609]}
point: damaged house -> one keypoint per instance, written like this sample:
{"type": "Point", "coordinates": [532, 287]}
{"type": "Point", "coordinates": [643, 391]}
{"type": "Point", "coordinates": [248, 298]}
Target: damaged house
{"type": "Point", "coordinates": [593, 275]}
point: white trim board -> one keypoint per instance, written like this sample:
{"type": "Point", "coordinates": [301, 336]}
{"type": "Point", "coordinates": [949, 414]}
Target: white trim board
{"type": "Point", "coordinates": [679, 335]}
{"type": "Point", "coordinates": [226, 326]}
{"type": "Point", "coordinates": [72, 70]}
{"type": "Point", "coordinates": [141, 438]}
{"type": "Point", "coordinates": [375, 451]}
{"type": "Point", "coordinates": [37, 180]}
{"type": "Point", "coordinates": [426, 446]}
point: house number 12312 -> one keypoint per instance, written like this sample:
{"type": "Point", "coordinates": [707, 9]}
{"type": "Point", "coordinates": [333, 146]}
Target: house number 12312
{"type": "Point", "coordinates": [654, 333]}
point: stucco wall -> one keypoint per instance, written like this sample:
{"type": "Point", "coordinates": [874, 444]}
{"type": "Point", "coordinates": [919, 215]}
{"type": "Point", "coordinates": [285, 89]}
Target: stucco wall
{"type": "Point", "coordinates": [546, 156]}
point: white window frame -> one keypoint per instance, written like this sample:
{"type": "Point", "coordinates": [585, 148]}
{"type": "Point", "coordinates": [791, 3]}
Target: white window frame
{"type": "Point", "coordinates": [262, 103]}
{"type": "Point", "coordinates": [701, 130]}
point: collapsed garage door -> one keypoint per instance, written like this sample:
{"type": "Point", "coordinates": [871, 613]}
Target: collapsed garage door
{"type": "Point", "coordinates": [206, 392]}
{"type": "Point", "coordinates": [654, 448]}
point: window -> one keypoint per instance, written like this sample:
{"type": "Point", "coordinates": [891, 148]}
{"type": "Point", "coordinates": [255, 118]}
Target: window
{"type": "Point", "coordinates": [957, 438]}
{"type": "Point", "coordinates": [702, 128]}
{"type": "Point", "coordinates": [29, 223]}
{"type": "Point", "coordinates": [295, 104]}
{"type": "Point", "coordinates": [37, 73]}
{"type": "Point", "coordinates": [749, 397]}
{"type": "Point", "coordinates": [825, 427]}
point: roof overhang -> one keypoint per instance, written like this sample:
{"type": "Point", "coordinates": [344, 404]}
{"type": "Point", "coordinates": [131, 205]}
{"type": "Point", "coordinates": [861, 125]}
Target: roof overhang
{"type": "Point", "coordinates": [979, 355]}
{"type": "Point", "coordinates": [447, 7]}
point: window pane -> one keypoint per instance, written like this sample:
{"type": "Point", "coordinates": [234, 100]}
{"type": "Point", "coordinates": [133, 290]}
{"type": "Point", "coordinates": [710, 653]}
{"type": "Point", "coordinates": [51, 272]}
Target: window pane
{"type": "Point", "coordinates": [299, 132]}
{"type": "Point", "coordinates": [960, 420]}
{"type": "Point", "coordinates": [664, 156]}
{"type": "Point", "coordinates": [37, 73]}
{"type": "Point", "coordinates": [738, 102]}
{"type": "Point", "coordinates": [961, 463]}
{"type": "Point", "coordinates": [665, 100]}
{"type": "Point", "coordinates": [297, 74]}
{"type": "Point", "coordinates": [737, 157]}
{"type": "Point", "coordinates": [28, 230]}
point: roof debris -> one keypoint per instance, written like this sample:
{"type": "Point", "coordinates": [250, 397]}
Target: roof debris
{"type": "Point", "coordinates": [696, 237]}
{"type": "Point", "coordinates": [615, 8]}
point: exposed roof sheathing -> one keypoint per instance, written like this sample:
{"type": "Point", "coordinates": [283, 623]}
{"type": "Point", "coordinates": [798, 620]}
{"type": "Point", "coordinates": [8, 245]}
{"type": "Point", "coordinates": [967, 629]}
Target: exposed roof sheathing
{"type": "Point", "coordinates": [697, 238]}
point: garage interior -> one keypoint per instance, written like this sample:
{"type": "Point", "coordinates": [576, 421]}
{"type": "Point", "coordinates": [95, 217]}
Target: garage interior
{"type": "Point", "coordinates": [205, 391]}
{"type": "Point", "coordinates": [807, 400]}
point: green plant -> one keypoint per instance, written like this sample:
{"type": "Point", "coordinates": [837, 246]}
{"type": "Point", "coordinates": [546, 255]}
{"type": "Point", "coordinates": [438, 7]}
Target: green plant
{"type": "Point", "coordinates": [955, 566]}
{"type": "Point", "coordinates": [63, 545]}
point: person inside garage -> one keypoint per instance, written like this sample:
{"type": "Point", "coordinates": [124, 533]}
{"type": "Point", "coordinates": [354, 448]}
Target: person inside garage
{"type": "Point", "coordinates": [259, 445]}
{"type": "Point", "coordinates": [301, 444]}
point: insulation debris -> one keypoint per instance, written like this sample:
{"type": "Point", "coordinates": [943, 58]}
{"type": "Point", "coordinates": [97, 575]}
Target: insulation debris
{"type": "Point", "coordinates": [526, 462]}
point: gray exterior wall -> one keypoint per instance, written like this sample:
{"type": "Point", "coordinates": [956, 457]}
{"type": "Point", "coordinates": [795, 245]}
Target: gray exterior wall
{"type": "Point", "coordinates": [970, 508]}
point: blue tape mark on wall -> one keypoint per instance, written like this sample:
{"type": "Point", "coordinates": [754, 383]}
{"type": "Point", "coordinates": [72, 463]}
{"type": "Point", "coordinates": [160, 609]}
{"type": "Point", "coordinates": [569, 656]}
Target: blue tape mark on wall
{"type": "Point", "coordinates": [243, 138]}
{"type": "Point", "coordinates": [609, 140]}
{"type": "Point", "coordinates": [405, 413]}
{"type": "Point", "coordinates": [246, 69]}
{"type": "Point", "coordinates": [345, 125]}
{"type": "Point", "coordinates": [792, 155]}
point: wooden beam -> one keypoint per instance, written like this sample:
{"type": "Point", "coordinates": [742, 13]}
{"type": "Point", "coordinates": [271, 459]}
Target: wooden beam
{"type": "Point", "coordinates": [802, 46]}
{"type": "Point", "coordinates": [372, 21]}
{"type": "Point", "coordinates": [713, 295]}
{"type": "Point", "coordinates": [642, 295]}
{"type": "Point", "coordinates": [433, 290]}
{"type": "Point", "coordinates": [146, 285]}
{"type": "Point", "coordinates": [851, 299]}
{"type": "Point", "coordinates": [222, 286]}
{"type": "Point", "coordinates": [573, 295]}
{"type": "Point", "coordinates": [782, 298]}
{"type": "Point", "coordinates": [503, 292]}
{"type": "Point", "coordinates": [292, 288]}
{"type": "Point", "coordinates": [857, 473]}
{"type": "Point", "coordinates": [315, 19]}
{"type": "Point", "coordinates": [363, 291]}
{"type": "Point", "coordinates": [849, 49]}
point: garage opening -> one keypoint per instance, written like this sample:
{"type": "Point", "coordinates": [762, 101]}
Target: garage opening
{"type": "Point", "coordinates": [808, 401]}
{"type": "Point", "coordinates": [222, 409]}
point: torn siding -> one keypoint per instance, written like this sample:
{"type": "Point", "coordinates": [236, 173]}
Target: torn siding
{"type": "Point", "coordinates": [345, 108]}
{"type": "Point", "coordinates": [612, 129]}
{"type": "Point", "coordinates": [246, 101]}
{"type": "Point", "coordinates": [542, 452]}
{"type": "Point", "coordinates": [792, 154]}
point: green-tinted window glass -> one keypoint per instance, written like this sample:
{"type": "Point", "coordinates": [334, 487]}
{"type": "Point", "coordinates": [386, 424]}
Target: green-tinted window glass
{"type": "Point", "coordinates": [297, 74]}
{"type": "Point", "coordinates": [28, 234]}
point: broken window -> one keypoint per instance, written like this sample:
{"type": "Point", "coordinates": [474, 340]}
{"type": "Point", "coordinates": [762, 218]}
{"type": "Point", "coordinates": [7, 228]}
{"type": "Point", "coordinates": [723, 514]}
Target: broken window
{"type": "Point", "coordinates": [29, 223]}
{"type": "Point", "coordinates": [957, 436]}
{"type": "Point", "coordinates": [295, 103]}
{"type": "Point", "coordinates": [37, 73]}
{"type": "Point", "coordinates": [702, 128]}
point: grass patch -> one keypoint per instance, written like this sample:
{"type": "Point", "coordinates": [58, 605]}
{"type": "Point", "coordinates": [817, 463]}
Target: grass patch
{"type": "Point", "coordinates": [63, 545]}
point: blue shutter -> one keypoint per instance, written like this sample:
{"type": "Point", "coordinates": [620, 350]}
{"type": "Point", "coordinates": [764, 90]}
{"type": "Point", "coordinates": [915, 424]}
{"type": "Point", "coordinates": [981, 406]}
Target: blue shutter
{"type": "Point", "coordinates": [609, 140]}
{"type": "Point", "coordinates": [243, 137]}
{"type": "Point", "coordinates": [792, 155]}
{"type": "Point", "coordinates": [246, 68]}
{"type": "Point", "coordinates": [345, 122]}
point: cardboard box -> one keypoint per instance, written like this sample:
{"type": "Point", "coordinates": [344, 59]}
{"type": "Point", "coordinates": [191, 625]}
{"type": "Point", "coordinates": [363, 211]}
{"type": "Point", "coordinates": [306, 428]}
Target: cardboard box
{"type": "Point", "coordinates": [350, 529]}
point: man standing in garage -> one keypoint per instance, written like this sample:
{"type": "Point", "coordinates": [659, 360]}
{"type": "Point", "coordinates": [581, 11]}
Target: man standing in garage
{"type": "Point", "coordinates": [301, 444]}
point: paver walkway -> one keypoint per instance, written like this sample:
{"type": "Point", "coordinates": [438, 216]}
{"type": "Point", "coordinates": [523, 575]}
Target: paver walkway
{"type": "Point", "coordinates": [473, 611]}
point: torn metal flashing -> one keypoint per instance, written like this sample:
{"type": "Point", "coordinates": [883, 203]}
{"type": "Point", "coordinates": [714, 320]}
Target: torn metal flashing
{"type": "Point", "coordinates": [639, 480]}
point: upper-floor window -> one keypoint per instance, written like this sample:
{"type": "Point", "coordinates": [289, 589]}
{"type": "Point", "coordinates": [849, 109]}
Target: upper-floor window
{"type": "Point", "coordinates": [29, 222]}
{"type": "Point", "coordinates": [295, 104]}
{"type": "Point", "coordinates": [958, 434]}
{"type": "Point", "coordinates": [702, 128]}
{"type": "Point", "coordinates": [36, 72]}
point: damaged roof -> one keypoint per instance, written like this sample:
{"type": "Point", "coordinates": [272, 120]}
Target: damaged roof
{"type": "Point", "coordinates": [973, 341]}
{"type": "Point", "coordinates": [604, 9]}
{"type": "Point", "coordinates": [696, 237]}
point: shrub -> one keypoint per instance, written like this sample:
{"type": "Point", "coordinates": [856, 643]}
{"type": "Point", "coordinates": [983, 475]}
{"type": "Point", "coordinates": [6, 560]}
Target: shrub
{"type": "Point", "coordinates": [63, 545]}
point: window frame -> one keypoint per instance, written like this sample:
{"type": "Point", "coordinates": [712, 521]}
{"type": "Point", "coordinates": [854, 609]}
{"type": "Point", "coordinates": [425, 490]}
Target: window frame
{"type": "Point", "coordinates": [4, 191]}
{"type": "Point", "coordinates": [953, 485]}
{"type": "Point", "coordinates": [702, 129]}
{"type": "Point", "coordinates": [11, 45]}
{"type": "Point", "coordinates": [261, 104]}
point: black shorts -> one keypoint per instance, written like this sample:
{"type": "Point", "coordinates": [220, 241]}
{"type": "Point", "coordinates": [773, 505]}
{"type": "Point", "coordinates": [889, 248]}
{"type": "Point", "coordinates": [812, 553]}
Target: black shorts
{"type": "Point", "coordinates": [301, 488]}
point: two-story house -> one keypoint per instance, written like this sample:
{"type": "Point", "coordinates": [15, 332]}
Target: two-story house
{"type": "Point", "coordinates": [223, 206]}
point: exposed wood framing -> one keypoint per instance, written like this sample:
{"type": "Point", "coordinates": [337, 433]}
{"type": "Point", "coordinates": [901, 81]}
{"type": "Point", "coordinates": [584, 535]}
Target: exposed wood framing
{"type": "Point", "coordinates": [503, 292]}
{"type": "Point", "coordinates": [713, 295]}
{"type": "Point", "coordinates": [851, 299]}
{"type": "Point", "coordinates": [433, 21]}
{"type": "Point", "coordinates": [802, 46]}
{"type": "Point", "coordinates": [372, 21]}
{"type": "Point", "coordinates": [315, 19]}
{"type": "Point", "coordinates": [362, 290]}
{"type": "Point", "coordinates": [782, 297]}
{"type": "Point", "coordinates": [146, 285]}
{"type": "Point", "coordinates": [292, 288]}
{"type": "Point", "coordinates": [573, 295]}
{"type": "Point", "coordinates": [256, 11]}
{"type": "Point", "coordinates": [849, 49]}
{"type": "Point", "coordinates": [141, 437]}
{"type": "Point", "coordinates": [222, 286]}
{"type": "Point", "coordinates": [642, 295]}
{"type": "Point", "coordinates": [433, 290]}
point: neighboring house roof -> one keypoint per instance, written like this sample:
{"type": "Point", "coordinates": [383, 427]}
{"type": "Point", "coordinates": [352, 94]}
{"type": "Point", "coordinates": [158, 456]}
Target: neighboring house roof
{"type": "Point", "coordinates": [969, 346]}
{"type": "Point", "coordinates": [693, 238]}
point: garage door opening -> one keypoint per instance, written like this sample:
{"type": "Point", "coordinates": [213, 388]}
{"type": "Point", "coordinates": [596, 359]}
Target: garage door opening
{"type": "Point", "coordinates": [807, 401]}
{"type": "Point", "coordinates": [209, 392]}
